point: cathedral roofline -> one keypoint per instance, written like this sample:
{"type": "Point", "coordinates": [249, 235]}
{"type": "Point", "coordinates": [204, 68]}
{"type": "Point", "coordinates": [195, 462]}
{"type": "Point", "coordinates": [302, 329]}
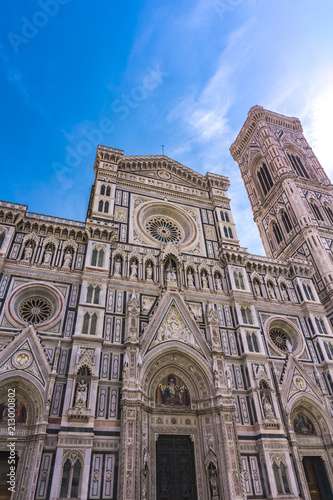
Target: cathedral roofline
{"type": "Point", "coordinates": [16, 213]}
{"type": "Point", "coordinates": [147, 162]}
{"type": "Point", "coordinates": [255, 114]}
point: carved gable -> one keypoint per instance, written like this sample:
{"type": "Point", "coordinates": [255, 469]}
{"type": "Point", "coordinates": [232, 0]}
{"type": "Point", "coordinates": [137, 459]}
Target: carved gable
{"type": "Point", "coordinates": [27, 355]}
{"type": "Point", "coordinates": [173, 322]}
{"type": "Point", "coordinates": [297, 383]}
{"type": "Point", "coordinates": [174, 327]}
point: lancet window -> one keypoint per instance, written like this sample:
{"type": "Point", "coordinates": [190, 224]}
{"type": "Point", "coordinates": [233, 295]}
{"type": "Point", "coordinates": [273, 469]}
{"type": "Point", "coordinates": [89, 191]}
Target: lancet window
{"type": "Point", "coordinates": [265, 179]}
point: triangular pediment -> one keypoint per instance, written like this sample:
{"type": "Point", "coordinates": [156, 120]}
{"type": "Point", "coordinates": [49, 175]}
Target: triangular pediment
{"type": "Point", "coordinates": [25, 354]}
{"type": "Point", "coordinates": [164, 169]}
{"type": "Point", "coordinates": [174, 323]}
{"type": "Point", "coordinates": [297, 382]}
{"type": "Point", "coordinates": [166, 176]}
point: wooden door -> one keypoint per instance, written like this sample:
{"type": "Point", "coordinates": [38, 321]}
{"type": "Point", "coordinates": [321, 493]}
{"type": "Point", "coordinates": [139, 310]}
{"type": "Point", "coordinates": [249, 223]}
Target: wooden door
{"type": "Point", "coordinates": [316, 476]}
{"type": "Point", "coordinates": [175, 469]}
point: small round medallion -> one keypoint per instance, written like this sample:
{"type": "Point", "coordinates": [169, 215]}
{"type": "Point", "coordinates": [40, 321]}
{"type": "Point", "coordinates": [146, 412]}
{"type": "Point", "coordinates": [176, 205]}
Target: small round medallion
{"type": "Point", "coordinates": [22, 360]}
{"type": "Point", "coordinates": [166, 176]}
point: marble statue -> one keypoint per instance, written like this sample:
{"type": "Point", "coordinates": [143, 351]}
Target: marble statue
{"type": "Point", "coordinates": [149, 272]}
{"type": "Point", "coordinates": [218, 283]}
{"type": "Point", "coordinates": [117, 267]}
{"type": "Point", "coordinates": [190, 278]}
{"type": "Point", "coordinates": [67, 260]}
{"type": "Point", "coordinates": [28, 253]}
{"type": "Point", "coordinates": [48, 256]}
{"type": "Point", "coordinates": [81, 393]}
{"type": "Point", "coordinates": [204, 282]}
{"type": "Point", "coordinates": [134, 269]}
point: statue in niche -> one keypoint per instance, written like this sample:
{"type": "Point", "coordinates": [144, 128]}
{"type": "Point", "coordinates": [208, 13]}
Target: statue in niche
{"type": "Point", "coordinates": [216, 378]}
{"type": "Point", "coordinates": [171, 275]}
{"type": "Point", "coordinates": [81, 393]}
{"type": "Point", "coordinates": [204, 281]}
{"type": "Point", "coordinates": [218, 283]}
{"type": "Point", "coordinates": [48, 256]}
{"type": "Point", "coordinates": [134, 269]}
{"type": "Point", "coordinates": [229, 380]}
{"type": "Point", "coordinates": [284, 293]}
{"type": "Point", "coordinates": [28, 252]}
{"type": "Point", "coordinates": [190, 278]}
{"type": "Point", "coordinates": [67, 260]}
{"type": "Point", "coordinates": [257, 289]}
{"type": "Point", "coordinates": [213, 483]}
{"type": "Point", "coordinates": [271, 291]}
{"type": "Point", "coordinates": [149, 271]}
{"type": "Point", "coordinates": [268, 411]}
{"type": "Point", "coordinates": [125, 366]}
{"type": "Point", "coordinates": [117, 267]}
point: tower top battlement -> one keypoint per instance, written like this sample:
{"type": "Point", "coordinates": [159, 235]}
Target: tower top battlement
{"type": "Point", "coordinates": [255, 115]}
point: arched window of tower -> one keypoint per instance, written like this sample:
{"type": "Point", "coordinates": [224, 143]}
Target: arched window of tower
{"type": "Point", "coordinates": [297, 165]}
{"type": "Point", "coordinates": [277, 232]}
{"type": "Point", "coordinates": [316, 211]}
{"type": "Point", "coordinates": [265, 179]}
{"type": "Point", "coordinates": [329, 213]}
{"type": "Point", "coordinates": [286, 221]}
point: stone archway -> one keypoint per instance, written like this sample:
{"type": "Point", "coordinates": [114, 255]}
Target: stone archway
{"type": "Point", "coordinates": [29, 431]}
{"type": "Point", "coordinates": [310, 432]}
{"type": "Point", "coordinates": [192, 415]}
{"type": "Point", "coordinates": [176, 416]}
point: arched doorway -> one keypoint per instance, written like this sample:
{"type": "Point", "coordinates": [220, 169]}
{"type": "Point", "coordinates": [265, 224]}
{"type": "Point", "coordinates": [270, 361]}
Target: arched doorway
{"type": "Point", "coordinates": [20, 401]}
{"type": "Point", "coordinates": [310, 429]}
{"type": "Point", "coordinates": [175, 462]}
{"type": "Point", "coordinates": [180, 434]}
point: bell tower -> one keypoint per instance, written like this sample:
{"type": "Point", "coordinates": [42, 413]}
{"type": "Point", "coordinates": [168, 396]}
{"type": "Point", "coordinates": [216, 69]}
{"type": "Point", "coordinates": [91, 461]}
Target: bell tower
{"type": "Point", "coordinates": [290, 193]}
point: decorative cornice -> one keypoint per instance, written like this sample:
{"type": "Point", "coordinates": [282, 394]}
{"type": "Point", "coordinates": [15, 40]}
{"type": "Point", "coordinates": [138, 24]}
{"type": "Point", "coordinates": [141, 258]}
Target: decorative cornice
{"type": "Point", "coordinates": [138, 163]}
{"type": "Point", "coordinates": [256, 114]}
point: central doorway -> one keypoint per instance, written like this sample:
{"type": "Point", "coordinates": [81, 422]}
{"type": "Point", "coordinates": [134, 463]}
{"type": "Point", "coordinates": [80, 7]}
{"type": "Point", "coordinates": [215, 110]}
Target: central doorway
{"type": "Point", "coordinates": [316, 476]}
{"type": "Point", "coordinates": [175, 469]}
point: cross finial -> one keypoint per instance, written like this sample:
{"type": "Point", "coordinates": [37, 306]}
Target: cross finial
{"type": "Point", "coordinates": [162, 146]}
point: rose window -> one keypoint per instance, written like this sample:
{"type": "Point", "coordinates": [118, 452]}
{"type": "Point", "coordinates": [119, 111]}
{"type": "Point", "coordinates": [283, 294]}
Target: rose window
{"type": "Point", "coordinates": [35, 310]}
{"type": "Point", "coordinates": [163, 229]}
{"type": "Point", "coordinates": [279, 338]}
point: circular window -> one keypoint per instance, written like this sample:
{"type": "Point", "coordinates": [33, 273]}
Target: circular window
{"type": "Point", "coordinates": [163, 229]}
{"type": "Point", "coordinates": [283, 336]}
{"type": "Point", "coordinates": [35, 310]}
{"type": "Point", "coordinates": [35, 303]}
{"type": "Point", "coordinates": [279, 338]}
{"type": "Point", "coordinates": [163, 222]}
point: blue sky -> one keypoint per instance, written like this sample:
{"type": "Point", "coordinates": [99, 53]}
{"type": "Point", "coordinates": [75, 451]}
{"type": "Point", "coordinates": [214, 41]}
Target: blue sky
{"type": "Point", "coordinates": [135, 75]}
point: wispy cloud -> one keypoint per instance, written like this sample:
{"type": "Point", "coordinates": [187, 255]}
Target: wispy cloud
{"type": "Point", "coordinates": [204, 126]}
{"type": "Point", "coordinates": [204, 117]}
{"type": "Point", "coordinates": [317, 120]}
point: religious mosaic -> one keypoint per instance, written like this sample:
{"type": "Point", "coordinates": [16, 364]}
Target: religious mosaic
{"type": "Point", "coordinates": [21, 414]}
{"type": "Point", "coordinates": [303, 425]}
{"type": "Point", "coordinates": [172, 392]}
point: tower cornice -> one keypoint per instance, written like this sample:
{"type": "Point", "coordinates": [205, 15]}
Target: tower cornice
{"type": "Point", "coordinates": [256, 114]}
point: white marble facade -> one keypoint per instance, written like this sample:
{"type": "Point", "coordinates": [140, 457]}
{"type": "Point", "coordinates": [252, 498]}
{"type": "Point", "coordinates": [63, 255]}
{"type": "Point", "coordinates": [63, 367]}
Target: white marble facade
{"type": "Point", "coordinates": [149, 320]}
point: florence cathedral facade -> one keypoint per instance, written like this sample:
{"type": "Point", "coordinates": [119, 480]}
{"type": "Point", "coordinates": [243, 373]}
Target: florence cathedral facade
{"type": "Point", "coordinates": [149, 355]}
